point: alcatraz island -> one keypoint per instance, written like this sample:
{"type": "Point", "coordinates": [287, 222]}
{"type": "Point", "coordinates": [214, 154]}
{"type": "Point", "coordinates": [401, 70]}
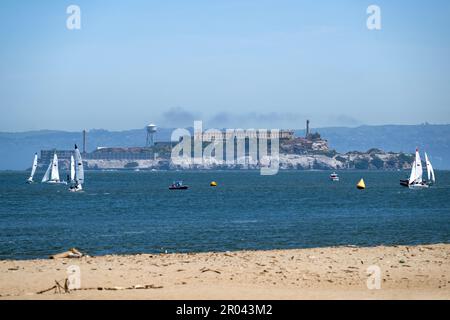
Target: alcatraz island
{"type": "Point", "coordinates": [308, 152]}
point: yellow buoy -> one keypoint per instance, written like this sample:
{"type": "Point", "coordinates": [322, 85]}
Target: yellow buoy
{"type": "Point", "coordinates": [361, 185]}
{"type": "Point", "coordinates": [213, 184]}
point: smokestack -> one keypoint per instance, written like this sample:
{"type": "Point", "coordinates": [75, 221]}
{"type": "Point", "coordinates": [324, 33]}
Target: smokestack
{"type": "Point", "coordinates": [307, 128]}
{"type": "Point", "coordinates": [84, 141]}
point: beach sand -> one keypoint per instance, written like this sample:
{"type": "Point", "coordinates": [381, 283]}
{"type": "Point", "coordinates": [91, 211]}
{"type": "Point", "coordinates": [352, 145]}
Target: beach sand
{"type": "Point", "coordinates": [407, 272]}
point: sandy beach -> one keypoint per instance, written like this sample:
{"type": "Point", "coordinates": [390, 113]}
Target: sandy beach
{"type": "Point", "coordinates": [406, 272]}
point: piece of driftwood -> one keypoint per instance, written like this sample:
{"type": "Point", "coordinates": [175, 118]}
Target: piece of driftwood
{"type": "Point", "coordinates": [211, 270]}
{"type": "Point", "coordinates": [58, 287]}
{"type": "Point", "coordinates": [46, 290]}
{"type": "Point", "coordinates": [71, 253]}
{"type": "Point", "coordinates": [135, 287]}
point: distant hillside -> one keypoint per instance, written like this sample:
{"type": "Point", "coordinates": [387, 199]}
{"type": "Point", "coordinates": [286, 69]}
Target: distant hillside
{"type": "Point", "coordinates": [17, 149]}
{"type": "Point", "coordinates": [434, 139]}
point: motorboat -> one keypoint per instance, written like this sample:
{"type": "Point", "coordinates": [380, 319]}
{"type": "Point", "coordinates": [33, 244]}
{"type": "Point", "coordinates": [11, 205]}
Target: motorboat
{"type": "Point", "coordinates": [177, 185]}
{"type": "Point", "coordinates": [334, 177]}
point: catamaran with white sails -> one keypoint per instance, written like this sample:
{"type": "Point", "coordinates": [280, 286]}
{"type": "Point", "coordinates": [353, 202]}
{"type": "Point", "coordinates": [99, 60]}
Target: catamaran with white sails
{"type": "Point", "coordinates": [52, 173]}
{"type": "Point", "coordinates": [33, 169]}
{"type": "Point", "coordinates": [416, 180]}
{"type": "Point", "coordinates": [78, 172]}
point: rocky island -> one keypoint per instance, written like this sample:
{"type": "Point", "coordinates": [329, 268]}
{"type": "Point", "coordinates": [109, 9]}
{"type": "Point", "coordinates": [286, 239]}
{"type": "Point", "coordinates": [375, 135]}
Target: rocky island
{"type": "Point", "coordinates": [310, 152]}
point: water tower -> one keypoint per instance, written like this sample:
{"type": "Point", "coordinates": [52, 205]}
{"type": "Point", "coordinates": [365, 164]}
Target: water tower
{"type": "Point", "coordinates": [151, 130]}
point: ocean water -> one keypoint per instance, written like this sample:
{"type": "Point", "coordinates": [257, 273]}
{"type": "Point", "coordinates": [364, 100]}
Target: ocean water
{"type": "Point", "coordinates": [134, 212]}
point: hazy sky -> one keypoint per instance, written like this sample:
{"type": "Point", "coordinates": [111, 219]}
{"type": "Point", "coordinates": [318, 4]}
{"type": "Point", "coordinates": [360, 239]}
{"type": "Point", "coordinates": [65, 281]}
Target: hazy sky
{"type": "Point", "coordinates": [246, 63]}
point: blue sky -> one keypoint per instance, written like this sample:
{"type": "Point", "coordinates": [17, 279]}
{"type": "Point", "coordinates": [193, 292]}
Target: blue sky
{"type": "Point", "coordinates": [248, 63]}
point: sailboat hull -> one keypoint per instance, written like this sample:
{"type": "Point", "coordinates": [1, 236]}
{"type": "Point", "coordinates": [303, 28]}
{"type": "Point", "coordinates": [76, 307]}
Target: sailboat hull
{"type": "Point", "coordinates": [404, 183]}
{"type": "Point", "coordinates": [418, 186]}
{"type": "Point", "coordinates": [56, 182]}
{"type": "Point", "coordinates": [76, 188]}
{"type": "Point", "coordinates": [424, 184]}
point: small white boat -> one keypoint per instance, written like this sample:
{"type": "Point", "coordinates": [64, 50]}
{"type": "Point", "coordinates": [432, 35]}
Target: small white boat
{"type": "Point", "coordinates": [33, 169]}
{"type": "Point", "coordinates": [78, 172]}
{"type": "Point", "coordinates": [51, 176]}
{"type": "Point", "coordinates": [334, 177]}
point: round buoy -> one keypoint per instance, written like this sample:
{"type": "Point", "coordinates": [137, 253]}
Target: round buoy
{"type": "Point", "coordinates": [213, 184]}
{"type": "Point", "coordinates": [361, 185]}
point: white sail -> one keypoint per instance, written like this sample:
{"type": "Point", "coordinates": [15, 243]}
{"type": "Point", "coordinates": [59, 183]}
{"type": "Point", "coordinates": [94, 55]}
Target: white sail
{"type": "Point", "coordinates": [54, 176]}
{"type": "Point", "coordinates": [430, 171]}
{"type": "Point", "coordinates": [433, 177]}
{"type": "Point", "coordinates": [79, 171]}
{"type": "Point", "coordinates": [33, 168]}
{"type": "Point", "coordinates": [72, 169]}
{"type": "Point", "coordinates": [416, 170]}
{"type": "Point", "coordinates": [47, 173]}
{"type": "Point", "coordinates": [412, 176]}
{"type": "Point", "coordinates": [419, 170]}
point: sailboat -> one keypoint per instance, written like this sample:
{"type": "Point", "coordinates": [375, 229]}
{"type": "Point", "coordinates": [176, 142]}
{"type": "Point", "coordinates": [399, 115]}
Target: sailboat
{"type": "Point", "coordinates": [415, 180]}
{"type": "Point", "coordinates": [72, 169]}
{"type": "Point", "coordinates": [79, 172]}
{"type": "Point", "coordinates": [431, 179]}
{"type": "Point", "coordinates": [52, 173]}
{"type": "Point", "coordinates": [33, 169]}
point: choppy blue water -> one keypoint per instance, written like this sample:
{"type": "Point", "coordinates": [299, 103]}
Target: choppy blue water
{"type": "Point", "coordinates": [134, 212]}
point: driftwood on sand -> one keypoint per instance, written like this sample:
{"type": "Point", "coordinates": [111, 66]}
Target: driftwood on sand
{"type": "Point", "coordinates": [72, 253]}
{"type": "Point", "coordinates": [58, 288]}
{"type": "Point", "coordinates": [209, 270]}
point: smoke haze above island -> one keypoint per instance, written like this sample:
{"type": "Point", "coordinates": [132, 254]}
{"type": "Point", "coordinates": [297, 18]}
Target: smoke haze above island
{"type": "Point", "coordinates": [179, 117]}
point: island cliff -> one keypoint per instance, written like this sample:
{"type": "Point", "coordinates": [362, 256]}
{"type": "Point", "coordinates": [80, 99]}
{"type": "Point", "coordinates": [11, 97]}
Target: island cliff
{"type": "Point", "coordinates": [297, 153]}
